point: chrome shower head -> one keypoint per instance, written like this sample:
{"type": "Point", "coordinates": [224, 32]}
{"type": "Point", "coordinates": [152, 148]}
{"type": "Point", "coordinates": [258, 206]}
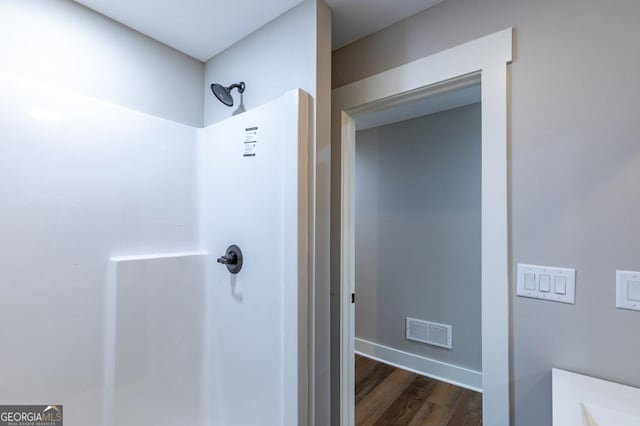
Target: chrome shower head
{"type": "Point", "coordinates": [224, 93]}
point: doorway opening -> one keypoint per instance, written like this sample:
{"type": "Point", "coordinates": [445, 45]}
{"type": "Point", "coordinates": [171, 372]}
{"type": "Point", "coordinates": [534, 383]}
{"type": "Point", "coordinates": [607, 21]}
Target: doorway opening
{"type": "Point", "coordinates": [418, 349]}
{"type": "Point", "coordinates": [482, 61]}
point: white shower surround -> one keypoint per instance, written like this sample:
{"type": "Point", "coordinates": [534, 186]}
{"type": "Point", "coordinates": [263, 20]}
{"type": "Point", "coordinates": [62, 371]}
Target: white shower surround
{"type": "Point", "coordinates": [83, 181]}
{"type": "Point", "coordinates": [258, 358]}
{"type": "Point", "coordinates": [80, 181]}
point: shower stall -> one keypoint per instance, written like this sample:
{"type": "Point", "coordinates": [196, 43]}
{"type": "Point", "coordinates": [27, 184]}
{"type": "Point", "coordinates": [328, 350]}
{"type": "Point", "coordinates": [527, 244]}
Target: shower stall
{"type": "Point", "coordinates": [113, 303]}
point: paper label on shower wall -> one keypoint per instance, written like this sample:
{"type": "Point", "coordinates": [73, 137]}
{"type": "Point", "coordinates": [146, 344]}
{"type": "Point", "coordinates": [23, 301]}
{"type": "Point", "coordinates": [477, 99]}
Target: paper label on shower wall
{"type": "Point", "coordinates": [250, 141]}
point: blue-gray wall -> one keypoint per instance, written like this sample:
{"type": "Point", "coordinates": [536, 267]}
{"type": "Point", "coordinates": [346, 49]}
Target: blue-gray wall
{"type": "Point", "coordinates": [278, 57]}
{"type": "Point", "coordinates": [418, 232]}
{"type": "Point", "coordinates": [64, 44]}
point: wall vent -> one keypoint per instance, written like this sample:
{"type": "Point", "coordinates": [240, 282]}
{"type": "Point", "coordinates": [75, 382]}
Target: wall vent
{"type": "Point", "coordinates": [431, 333]}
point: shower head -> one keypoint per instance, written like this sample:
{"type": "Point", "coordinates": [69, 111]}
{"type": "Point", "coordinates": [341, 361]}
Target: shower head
{"type": "Point", "coordinates": [224, 93]}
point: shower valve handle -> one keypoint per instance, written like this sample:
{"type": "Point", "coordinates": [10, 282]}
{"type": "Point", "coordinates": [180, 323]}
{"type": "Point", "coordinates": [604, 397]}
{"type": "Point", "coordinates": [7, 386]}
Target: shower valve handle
{"type": "Point", "coordinates": [232, 259]}
{"type": "Point", "coordinates": [228, 259]}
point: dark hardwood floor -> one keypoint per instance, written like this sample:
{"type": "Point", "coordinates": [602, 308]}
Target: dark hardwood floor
{"type": "Point", "coordinates": [389, 396]}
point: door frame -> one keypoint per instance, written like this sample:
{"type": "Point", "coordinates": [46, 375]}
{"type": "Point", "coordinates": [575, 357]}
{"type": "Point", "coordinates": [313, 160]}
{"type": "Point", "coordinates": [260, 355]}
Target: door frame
{"type": "Point", "coordinates": [486, 58]}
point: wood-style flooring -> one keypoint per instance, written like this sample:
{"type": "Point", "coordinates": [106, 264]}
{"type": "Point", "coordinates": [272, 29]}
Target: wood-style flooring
{"type": "Point", "coordinates": [389, 396]}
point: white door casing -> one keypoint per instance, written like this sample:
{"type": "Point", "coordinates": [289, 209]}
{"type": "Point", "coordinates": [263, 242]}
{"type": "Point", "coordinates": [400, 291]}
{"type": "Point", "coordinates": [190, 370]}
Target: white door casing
{"type": "Point", "coordinates": [486, 57]}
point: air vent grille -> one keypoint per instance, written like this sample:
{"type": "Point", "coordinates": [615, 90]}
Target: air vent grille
{"type": "Point", "coordinates": [431, 333]}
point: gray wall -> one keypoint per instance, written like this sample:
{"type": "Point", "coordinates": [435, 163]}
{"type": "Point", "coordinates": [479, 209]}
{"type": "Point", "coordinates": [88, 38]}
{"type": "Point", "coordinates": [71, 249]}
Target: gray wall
{"type": "Point", "coordinates": [62, 43]}
{"type": "Point", "coordinates": [418, 232]}
{"type": "Point", "coordinates": [574, 162]}
{"type": "Point", "coordinates": [278, 57]}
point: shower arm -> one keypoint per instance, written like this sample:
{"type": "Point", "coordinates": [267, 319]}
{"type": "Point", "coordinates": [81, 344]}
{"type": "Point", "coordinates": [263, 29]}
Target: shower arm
{"type": "Point", "coordinates": [239, 86]}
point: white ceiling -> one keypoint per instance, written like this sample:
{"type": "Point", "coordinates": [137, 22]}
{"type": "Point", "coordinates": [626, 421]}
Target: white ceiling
{"type": "Point", "coordinates": [204, 28]}
{"type": "Point", "coordinates": [199, 28]}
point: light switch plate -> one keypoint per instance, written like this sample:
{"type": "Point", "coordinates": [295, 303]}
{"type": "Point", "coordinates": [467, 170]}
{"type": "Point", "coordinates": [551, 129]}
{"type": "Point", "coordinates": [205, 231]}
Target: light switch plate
{"type": "Point", "coordinates": [628, 290]}
{"type": "Point", "coordinates": [549, 283]}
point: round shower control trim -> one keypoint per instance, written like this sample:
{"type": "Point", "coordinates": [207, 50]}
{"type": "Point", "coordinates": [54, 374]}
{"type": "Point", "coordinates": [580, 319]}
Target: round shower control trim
{"type": "Point", "coordinates": [232, 258]}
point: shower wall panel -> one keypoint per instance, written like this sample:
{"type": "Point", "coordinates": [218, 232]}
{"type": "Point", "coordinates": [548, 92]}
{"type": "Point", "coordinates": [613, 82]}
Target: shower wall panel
{"type": "Point", "coordinates": [155, 350]}
{"type": "Point", "coordinates": [253, 193]}
{"type": "Point", "coordinates": [80, 181]}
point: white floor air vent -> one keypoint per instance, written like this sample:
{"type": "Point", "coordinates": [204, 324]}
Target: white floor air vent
{"type": "Point", "coordinates": [431, 333]}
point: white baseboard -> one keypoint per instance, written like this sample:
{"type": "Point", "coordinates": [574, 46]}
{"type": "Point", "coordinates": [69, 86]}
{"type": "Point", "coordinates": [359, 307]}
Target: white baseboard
{"type": "Point", "coordinates": [449, 373]}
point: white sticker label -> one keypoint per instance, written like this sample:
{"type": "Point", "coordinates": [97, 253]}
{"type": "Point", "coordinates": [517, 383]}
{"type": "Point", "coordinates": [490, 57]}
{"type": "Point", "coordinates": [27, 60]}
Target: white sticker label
{"type": "Point", "coordinates": [250, 141]}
